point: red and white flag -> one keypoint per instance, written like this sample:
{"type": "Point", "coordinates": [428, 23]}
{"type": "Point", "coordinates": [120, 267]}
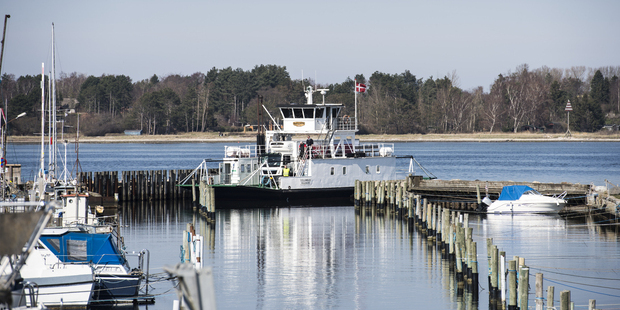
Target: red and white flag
{"type": "Point", "coordinates": [360, 88]}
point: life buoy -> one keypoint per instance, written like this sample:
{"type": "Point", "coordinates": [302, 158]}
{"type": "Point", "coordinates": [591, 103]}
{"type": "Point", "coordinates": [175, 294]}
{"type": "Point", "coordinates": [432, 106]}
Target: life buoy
{"type": "Point", "coordinates": [346, 119]}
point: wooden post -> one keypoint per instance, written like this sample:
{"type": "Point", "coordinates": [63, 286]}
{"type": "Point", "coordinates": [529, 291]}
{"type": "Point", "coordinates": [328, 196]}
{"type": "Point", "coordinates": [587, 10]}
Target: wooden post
{"type": "Point", "coordinates": [356, 193]}
{"type": "Point", "coordinates": [212, 196]}
{"type": "Point", "coordinates": [564, 300]}
{"type": "Point", "coordinates": [502, 275]}
{"type": "Point", "coordinates": [550, 297]}
{"type": "Point", "coordinates": [524, 280]}
{"type": "Point", "coordinates": [539, 291]}
{"type": "Point", "coordinates": [592, 304]}
{"type": "Point", "coordinates": [512, 285]}
{"type": "Point", "coordinates": [193, 190]}
{"type": "Point", "coordinates": [474, 271]}
{"type": "Point", "coordinates": [494, 272]}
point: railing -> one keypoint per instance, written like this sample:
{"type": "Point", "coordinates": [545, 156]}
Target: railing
{"type": "Point", "coordinates": [346, 123]}
{"type": "Point", "coordinates": [240, 151]}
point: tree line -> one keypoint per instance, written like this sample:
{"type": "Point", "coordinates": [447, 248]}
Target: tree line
{"type": "Point", "coordinates": [226, 99]}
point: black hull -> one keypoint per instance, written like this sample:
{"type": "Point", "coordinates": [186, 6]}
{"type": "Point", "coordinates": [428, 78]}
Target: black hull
{"type": "Point", "coordinates": [247, 197]}
{"type": "Point", "coordinates": [112, 287]}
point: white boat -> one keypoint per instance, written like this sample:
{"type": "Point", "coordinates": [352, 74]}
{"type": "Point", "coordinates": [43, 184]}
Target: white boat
{"type": "Point", "coordinates": [58, 283]}
{"type": "Point", "coordinates": [311, 154]}
{"type": "Point", "coordinates": [524, 199]}
{"type": "Point", "coordinates": [96, 246]}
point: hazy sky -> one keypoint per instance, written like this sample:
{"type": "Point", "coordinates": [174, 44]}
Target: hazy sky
{"type": "Point", "coordinates": [328, 40]}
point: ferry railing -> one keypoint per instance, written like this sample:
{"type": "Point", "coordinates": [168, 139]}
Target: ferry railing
{"type": "Point", "coordinates": [375, 149]}
{"type": "Point", "coordinates": [240, 151]}
{"type": "Point", "coordinates": [346, 123]}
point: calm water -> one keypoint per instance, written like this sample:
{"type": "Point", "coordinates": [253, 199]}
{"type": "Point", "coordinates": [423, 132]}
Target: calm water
{"type": "Point", "coordinates": [309, 258]}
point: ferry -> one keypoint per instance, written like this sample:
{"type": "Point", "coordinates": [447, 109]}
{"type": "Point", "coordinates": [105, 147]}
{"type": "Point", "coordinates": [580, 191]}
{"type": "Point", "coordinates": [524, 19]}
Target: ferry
{"type": "Point", "coordinates": [310, 155]}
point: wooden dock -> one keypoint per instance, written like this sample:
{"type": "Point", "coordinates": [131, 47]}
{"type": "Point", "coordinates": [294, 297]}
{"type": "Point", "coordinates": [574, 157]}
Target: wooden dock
{"type": "Point", "coordinates": [466, 196]}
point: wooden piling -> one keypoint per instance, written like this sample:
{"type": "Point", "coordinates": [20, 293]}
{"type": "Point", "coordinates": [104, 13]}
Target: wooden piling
{"type": "Point", "coordinates": [564, 300]}
{"type": "Point", "coordinates": [512, 285]}
{"type": "Point", "coordinates": [539, 291]}
{"type": "Point", "coordinates": [550, 297]}
{"type": "Point", "coordinates": [524, 280]}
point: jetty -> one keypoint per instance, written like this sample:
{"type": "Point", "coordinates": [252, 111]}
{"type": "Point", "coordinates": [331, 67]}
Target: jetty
{"type": "Point", "coordinates": [467, 196]}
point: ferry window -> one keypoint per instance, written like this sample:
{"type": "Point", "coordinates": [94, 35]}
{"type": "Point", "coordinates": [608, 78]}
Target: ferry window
{"type": "Point", "coordinates": [335, 111]}
{"type": "Point", "coordinates": [344, 170]}
{"type": "Point", "coordinates": [309, 113]}
{"type": "Point", "coordinates": [298, 113]}
{"type": "Point", "coordinates": [76, 250]}
{"type": "Point", "coordinates": [319, 112]}
{"type": "Point", "coordinates": [248, 167]}
{"type": "Point", "coordinates": [255, 166]}
{"type": "Point", "coordinates": [378, 170]}
{"type": "Point", "coordinates": [242, 168]}
{"type": "Point", "coordinates": [367, 169]}
{"type": "Point", "coordinates": [332, 171]}
{"type": "Point", "coordinates": [287, 113]}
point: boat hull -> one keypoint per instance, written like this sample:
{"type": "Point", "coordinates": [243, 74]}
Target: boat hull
{"type": "Point", "coordinates": [68, 291]}
{"type": "Point", "coordinates": [525, 207]}
{"type": "Point", "coordinates": [237, 197]}
{"type": "Point", "coordinates": [110, 286]}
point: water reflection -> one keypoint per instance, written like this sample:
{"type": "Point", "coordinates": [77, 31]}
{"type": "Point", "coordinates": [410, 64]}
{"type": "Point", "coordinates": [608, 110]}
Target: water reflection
{"type": "Point", "coordinates": [335, 257]}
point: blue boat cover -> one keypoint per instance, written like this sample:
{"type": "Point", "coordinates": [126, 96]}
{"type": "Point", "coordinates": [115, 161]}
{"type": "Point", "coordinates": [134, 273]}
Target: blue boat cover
{"type": "Point", "coordinates": [513, 192]}
{"type": "Point", "coordinates": [84, 247]}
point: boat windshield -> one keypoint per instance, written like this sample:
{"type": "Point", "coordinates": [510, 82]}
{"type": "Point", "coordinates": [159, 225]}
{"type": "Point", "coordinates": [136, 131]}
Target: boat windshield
{"type": "Point", "coordinates": [532, 192]}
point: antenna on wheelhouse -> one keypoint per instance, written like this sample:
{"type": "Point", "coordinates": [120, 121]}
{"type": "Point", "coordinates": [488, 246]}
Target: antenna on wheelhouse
{"type": "Point", "coordinates": [323, 92]}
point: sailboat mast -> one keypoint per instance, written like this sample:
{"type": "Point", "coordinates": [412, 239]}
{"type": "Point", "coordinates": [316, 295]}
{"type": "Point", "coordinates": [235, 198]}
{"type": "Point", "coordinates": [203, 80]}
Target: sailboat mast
{"type": "Point", "coordinates": [53, 133]}
{"type": "Point", "coordinates": [42, 160]}
{"type": "Point", "coordinates": [49, 127]}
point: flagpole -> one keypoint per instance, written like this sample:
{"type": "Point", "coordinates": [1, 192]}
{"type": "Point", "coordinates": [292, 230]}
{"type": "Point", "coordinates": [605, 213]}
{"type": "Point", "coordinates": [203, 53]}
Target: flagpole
{"type": "Point", "coordinates": [355, 90]}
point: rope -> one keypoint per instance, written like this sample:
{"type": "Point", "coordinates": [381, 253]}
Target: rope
{"type": "Point", "coordinates": [581, 289]}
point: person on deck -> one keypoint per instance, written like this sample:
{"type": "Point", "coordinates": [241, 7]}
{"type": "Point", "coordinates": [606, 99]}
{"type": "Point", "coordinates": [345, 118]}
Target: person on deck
{"type": "Point", "coordinates": [309, 143]}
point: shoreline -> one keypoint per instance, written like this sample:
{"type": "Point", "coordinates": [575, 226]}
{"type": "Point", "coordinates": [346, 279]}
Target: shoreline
{"type": "Point", "coordinates": [211, 137]}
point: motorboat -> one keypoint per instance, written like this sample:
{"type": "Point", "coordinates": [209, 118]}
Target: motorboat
{"type": "Point", "coordinates": [524, 199]}
{"type": "Point", "coordinates": [36, 277]}
{"type": "Point", "coordinates": [97, 247]}
{"type": "Point", "coordinates": [309, 152]}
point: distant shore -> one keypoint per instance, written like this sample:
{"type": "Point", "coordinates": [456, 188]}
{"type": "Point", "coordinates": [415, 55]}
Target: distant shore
{"type": "Point", "coordinates": [213, 137]}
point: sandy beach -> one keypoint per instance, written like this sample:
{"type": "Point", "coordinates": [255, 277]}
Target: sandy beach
{"type": "Point", "coordinates": [206, 137]}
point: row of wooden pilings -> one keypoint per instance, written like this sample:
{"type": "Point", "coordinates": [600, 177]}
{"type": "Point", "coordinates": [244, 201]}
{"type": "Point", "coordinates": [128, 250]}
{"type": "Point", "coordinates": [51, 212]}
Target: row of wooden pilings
{"type": "Point", "coordinates": [518, 273]}
{"type": "Point", "coordinates": [137, 185]}
{"type": "Point", "coordinates": [446, 228]}
{"type": "Point", "coordinates": [449, 229]}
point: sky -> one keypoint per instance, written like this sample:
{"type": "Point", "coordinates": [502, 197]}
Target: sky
{"type": "Point", "coordinates": [327, 41]}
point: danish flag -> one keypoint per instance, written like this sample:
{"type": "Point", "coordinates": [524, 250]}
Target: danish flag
{"type": "Point", "coordinates": [360, 88]}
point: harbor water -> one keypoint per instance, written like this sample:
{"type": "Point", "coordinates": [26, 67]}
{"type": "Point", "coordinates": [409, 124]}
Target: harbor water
{"type": "Point", "coordinates": [331, 257]}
